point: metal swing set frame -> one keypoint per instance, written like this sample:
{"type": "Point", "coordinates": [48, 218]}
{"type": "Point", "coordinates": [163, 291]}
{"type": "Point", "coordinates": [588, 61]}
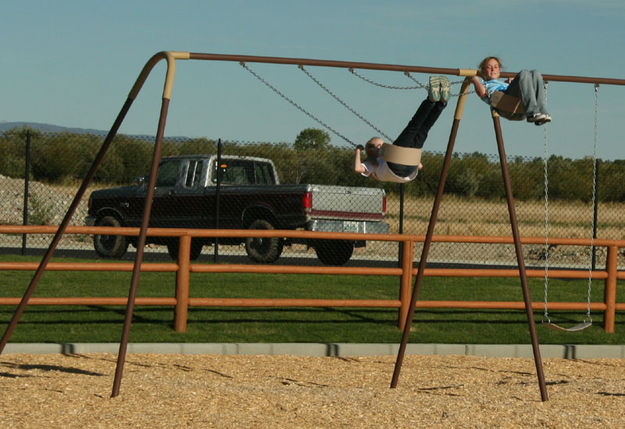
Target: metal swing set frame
{"type": "Point", "coordinates": [171, 57]}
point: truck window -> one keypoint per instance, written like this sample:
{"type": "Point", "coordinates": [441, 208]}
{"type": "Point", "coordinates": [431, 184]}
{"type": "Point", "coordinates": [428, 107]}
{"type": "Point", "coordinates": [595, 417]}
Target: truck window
{"type": "Point", "coordinates": [235, 172]}
{"type": "Point", "coordinates": [168, 173]}
{"type": "Point", "coordinates": [263, 173]}
{"type": "Point", "coordinates": [194, 174]}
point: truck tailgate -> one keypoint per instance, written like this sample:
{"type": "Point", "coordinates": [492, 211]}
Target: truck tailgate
{"type": "Point", "coordinates": [340, 202]}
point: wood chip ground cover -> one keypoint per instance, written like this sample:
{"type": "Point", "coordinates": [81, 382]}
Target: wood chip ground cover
{"type": "Point", "coordinates": [54, 390]}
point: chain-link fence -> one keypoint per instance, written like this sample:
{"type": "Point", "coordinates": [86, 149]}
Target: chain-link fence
{"type": "Point", "coordinates": [239, 190]}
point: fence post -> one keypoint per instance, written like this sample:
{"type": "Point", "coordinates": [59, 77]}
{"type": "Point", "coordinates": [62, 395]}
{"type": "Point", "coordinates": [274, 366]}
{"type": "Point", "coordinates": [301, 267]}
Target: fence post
{"type": "Point", "coordinates": [406, 281]}
{"type": "Point", "coordinates": [181, 311]}
{"type": "Point", "coordinates": [609, 293]}
{"type": "Point", "coordinates": [26, 189]}
{"type": "Point", "coordinates": [217, 197]}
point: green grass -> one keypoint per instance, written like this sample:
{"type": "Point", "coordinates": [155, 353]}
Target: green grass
{"type": "Point", "coordinates": [64, 324]}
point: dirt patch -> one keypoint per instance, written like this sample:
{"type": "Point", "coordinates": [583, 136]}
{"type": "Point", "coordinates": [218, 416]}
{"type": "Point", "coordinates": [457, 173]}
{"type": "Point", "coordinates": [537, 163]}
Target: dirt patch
{"type": "Point", "coordinates": [286, 391]}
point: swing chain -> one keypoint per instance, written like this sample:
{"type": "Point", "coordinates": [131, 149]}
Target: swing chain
{"type": "Point", "coordinates": [300, 108]}
{"type": "Point", "coordinates": [594, 196]}
{"type": "Point", "coordinates": [458, 82]}
{"type": "Point", "coordinates": [337, 98]}
{"type": "Point", "coordinates": [418, 85]}
{"type": "Point", "coordinates": [381, 85]}
{"type": "Point", "coordinates": [546, 318]}
{"type": "Point", "coordinates": [587, 319]}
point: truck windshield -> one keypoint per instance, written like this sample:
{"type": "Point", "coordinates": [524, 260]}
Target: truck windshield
{"type": "Point", "coordinates": [168, 173]}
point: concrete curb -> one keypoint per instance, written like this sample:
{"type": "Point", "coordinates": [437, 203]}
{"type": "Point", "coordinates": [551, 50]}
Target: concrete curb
{"type": "Point", "coordinates": [568, 351]}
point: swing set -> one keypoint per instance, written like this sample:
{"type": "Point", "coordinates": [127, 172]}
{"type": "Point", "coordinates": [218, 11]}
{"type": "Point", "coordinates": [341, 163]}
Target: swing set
{"type": "Point", "coordinates": [503, 106]}
{"type": "Point", "coordinates": [507, 106]}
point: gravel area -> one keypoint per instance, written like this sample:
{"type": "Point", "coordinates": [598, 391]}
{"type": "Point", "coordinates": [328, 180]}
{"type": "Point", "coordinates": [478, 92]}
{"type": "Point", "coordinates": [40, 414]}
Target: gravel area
{"type": "Point", "coordinates": [48, 205]}
{"type": "Point", "coordinates": [307, 392]}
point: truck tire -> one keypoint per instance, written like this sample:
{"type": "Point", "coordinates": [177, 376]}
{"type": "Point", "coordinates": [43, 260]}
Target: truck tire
{"type": "Point", "coordinates": [196, 249]}
{"type": "Point", "coordinates": [264, 250]}
{"type": "Point", "coordinates": [110, 246]}
{"type": "Point", "coordinates": [334, 252]}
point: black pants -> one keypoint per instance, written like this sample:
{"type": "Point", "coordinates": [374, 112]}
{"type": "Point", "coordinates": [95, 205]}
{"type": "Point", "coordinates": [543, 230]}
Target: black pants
{"type": "Point", "coordinates": [416, 132]}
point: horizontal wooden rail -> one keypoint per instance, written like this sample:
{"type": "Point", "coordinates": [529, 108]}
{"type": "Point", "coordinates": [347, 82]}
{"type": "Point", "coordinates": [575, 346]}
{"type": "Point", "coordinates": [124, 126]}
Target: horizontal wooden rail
{"type": "Point", "coordinates": [101, 300]}
{"type": "Point", "coordinates": [89, 266]}
{"type": "Point", "coordinates": [181, 301]}
{"type": "Point", "coordinates": [295, 269]}
{"type": "Point", "coordinates": [243, 233]}
{"type": "Point", "coordinates": [294, 302]}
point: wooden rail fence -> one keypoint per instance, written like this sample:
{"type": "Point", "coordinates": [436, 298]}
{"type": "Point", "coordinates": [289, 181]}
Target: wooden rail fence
{"type": "Point", "coordinates": [183, 268]}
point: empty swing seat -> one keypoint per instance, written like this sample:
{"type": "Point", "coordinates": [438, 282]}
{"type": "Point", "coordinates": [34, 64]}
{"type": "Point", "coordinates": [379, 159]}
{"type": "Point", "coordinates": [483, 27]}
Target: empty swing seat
{"type": "Point", "coordinates": [579, 327]}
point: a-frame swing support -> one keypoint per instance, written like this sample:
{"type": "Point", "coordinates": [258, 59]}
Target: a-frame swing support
{"type": "Point", "coordinates": [171, 57]}
{"type": "Point", "coordinates": [515, 234]}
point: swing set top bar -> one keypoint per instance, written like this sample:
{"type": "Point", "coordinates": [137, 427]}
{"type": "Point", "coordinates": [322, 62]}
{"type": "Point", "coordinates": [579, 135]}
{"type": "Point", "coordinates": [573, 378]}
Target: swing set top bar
{"type": "Point", "coordinates": [388, 67]}
{"type": "Point", "coordinates": [172, 56]}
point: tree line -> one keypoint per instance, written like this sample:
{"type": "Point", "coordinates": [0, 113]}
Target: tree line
{"type": "Point", "coordinates": [66, 157]}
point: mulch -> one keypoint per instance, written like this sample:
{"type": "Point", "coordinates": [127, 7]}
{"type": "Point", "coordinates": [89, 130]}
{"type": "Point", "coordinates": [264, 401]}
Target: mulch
{"type": "Point", "coordinates": [55, 390]}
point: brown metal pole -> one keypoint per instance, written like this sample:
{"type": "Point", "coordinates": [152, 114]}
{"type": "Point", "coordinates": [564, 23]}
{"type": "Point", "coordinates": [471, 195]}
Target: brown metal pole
{"type": "Point", "coordinates": [519, 255]}
{"type": "Point", "coordinates": [388, 67]}
{"type": "Point", "coordinates": [123, 346]}
{"type": "Point", "coordinates": [405, 281]}
{"type": "Point", "coordinates": [430, 232]}
{"type": "Point", "coordinates": [63, 226]}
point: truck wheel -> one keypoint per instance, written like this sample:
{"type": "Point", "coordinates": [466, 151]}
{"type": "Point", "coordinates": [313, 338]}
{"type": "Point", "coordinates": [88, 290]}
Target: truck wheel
{"type": "Point", "coordinates": [334, 252]}
{"type": "Point", "coordinates": [196, 249]}
{"type": "Point", "coordinates": [264, 250]}
{"type": "Point", "coordinates": [110, 246]}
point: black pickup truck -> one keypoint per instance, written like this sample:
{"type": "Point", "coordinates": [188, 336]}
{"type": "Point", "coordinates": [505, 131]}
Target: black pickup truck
{"type": "Point", "coordinates": [249, 196]}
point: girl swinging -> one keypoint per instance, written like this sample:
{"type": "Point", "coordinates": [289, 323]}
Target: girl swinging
{"type": "Point", "coordinates": [380, 167]}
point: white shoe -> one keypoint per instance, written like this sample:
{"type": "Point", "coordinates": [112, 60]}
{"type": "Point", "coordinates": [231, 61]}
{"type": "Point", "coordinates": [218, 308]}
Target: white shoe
{"type": "Point", "coordinates": [434, 89]}
{"type": "Point", "coordinates": [445, 89]}
{"type": "Point", "coordinates": [539, 118]}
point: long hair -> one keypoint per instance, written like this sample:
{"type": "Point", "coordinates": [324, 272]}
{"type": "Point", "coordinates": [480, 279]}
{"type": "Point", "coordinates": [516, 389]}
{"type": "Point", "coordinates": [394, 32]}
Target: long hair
{"type": "Point", "coordinates": [483, 64]}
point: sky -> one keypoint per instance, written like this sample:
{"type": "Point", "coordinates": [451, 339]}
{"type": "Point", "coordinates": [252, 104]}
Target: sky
{"type": "Point", "coordinates": [73, 62]}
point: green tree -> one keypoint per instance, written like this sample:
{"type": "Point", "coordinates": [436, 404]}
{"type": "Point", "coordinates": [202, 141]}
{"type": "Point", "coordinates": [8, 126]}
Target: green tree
{"type": "Point", "coordinates": [197, 146]}
{"type": "Point", "coordinates": [610, 180]}
{"type": "Point", "coordinates": [312, 139]}
{"type": "Point", "coordinates": [13, 150]}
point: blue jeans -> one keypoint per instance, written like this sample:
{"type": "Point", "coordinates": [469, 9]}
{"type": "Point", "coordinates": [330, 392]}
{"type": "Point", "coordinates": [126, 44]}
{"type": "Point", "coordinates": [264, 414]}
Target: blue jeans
{"type": "Point", "coordinates": [416, 132]}
{"type": "Point", "coordinates": [528, 85]}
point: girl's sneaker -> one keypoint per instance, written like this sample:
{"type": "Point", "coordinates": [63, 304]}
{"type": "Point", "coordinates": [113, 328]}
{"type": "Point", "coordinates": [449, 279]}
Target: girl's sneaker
{"type": "Point", "coordinates": [445, 88]}
{"type": "Point", "coordinates": [539, 118]}
{"type": "Point", "coordinates": [434, 90]}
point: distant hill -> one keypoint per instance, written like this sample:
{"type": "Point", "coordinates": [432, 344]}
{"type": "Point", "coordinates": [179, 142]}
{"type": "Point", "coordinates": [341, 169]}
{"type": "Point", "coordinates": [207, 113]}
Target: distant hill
{"type": "Point", "coordinates": [51, 128]}
{"type": "Point", "coordinates": [48, 128]}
